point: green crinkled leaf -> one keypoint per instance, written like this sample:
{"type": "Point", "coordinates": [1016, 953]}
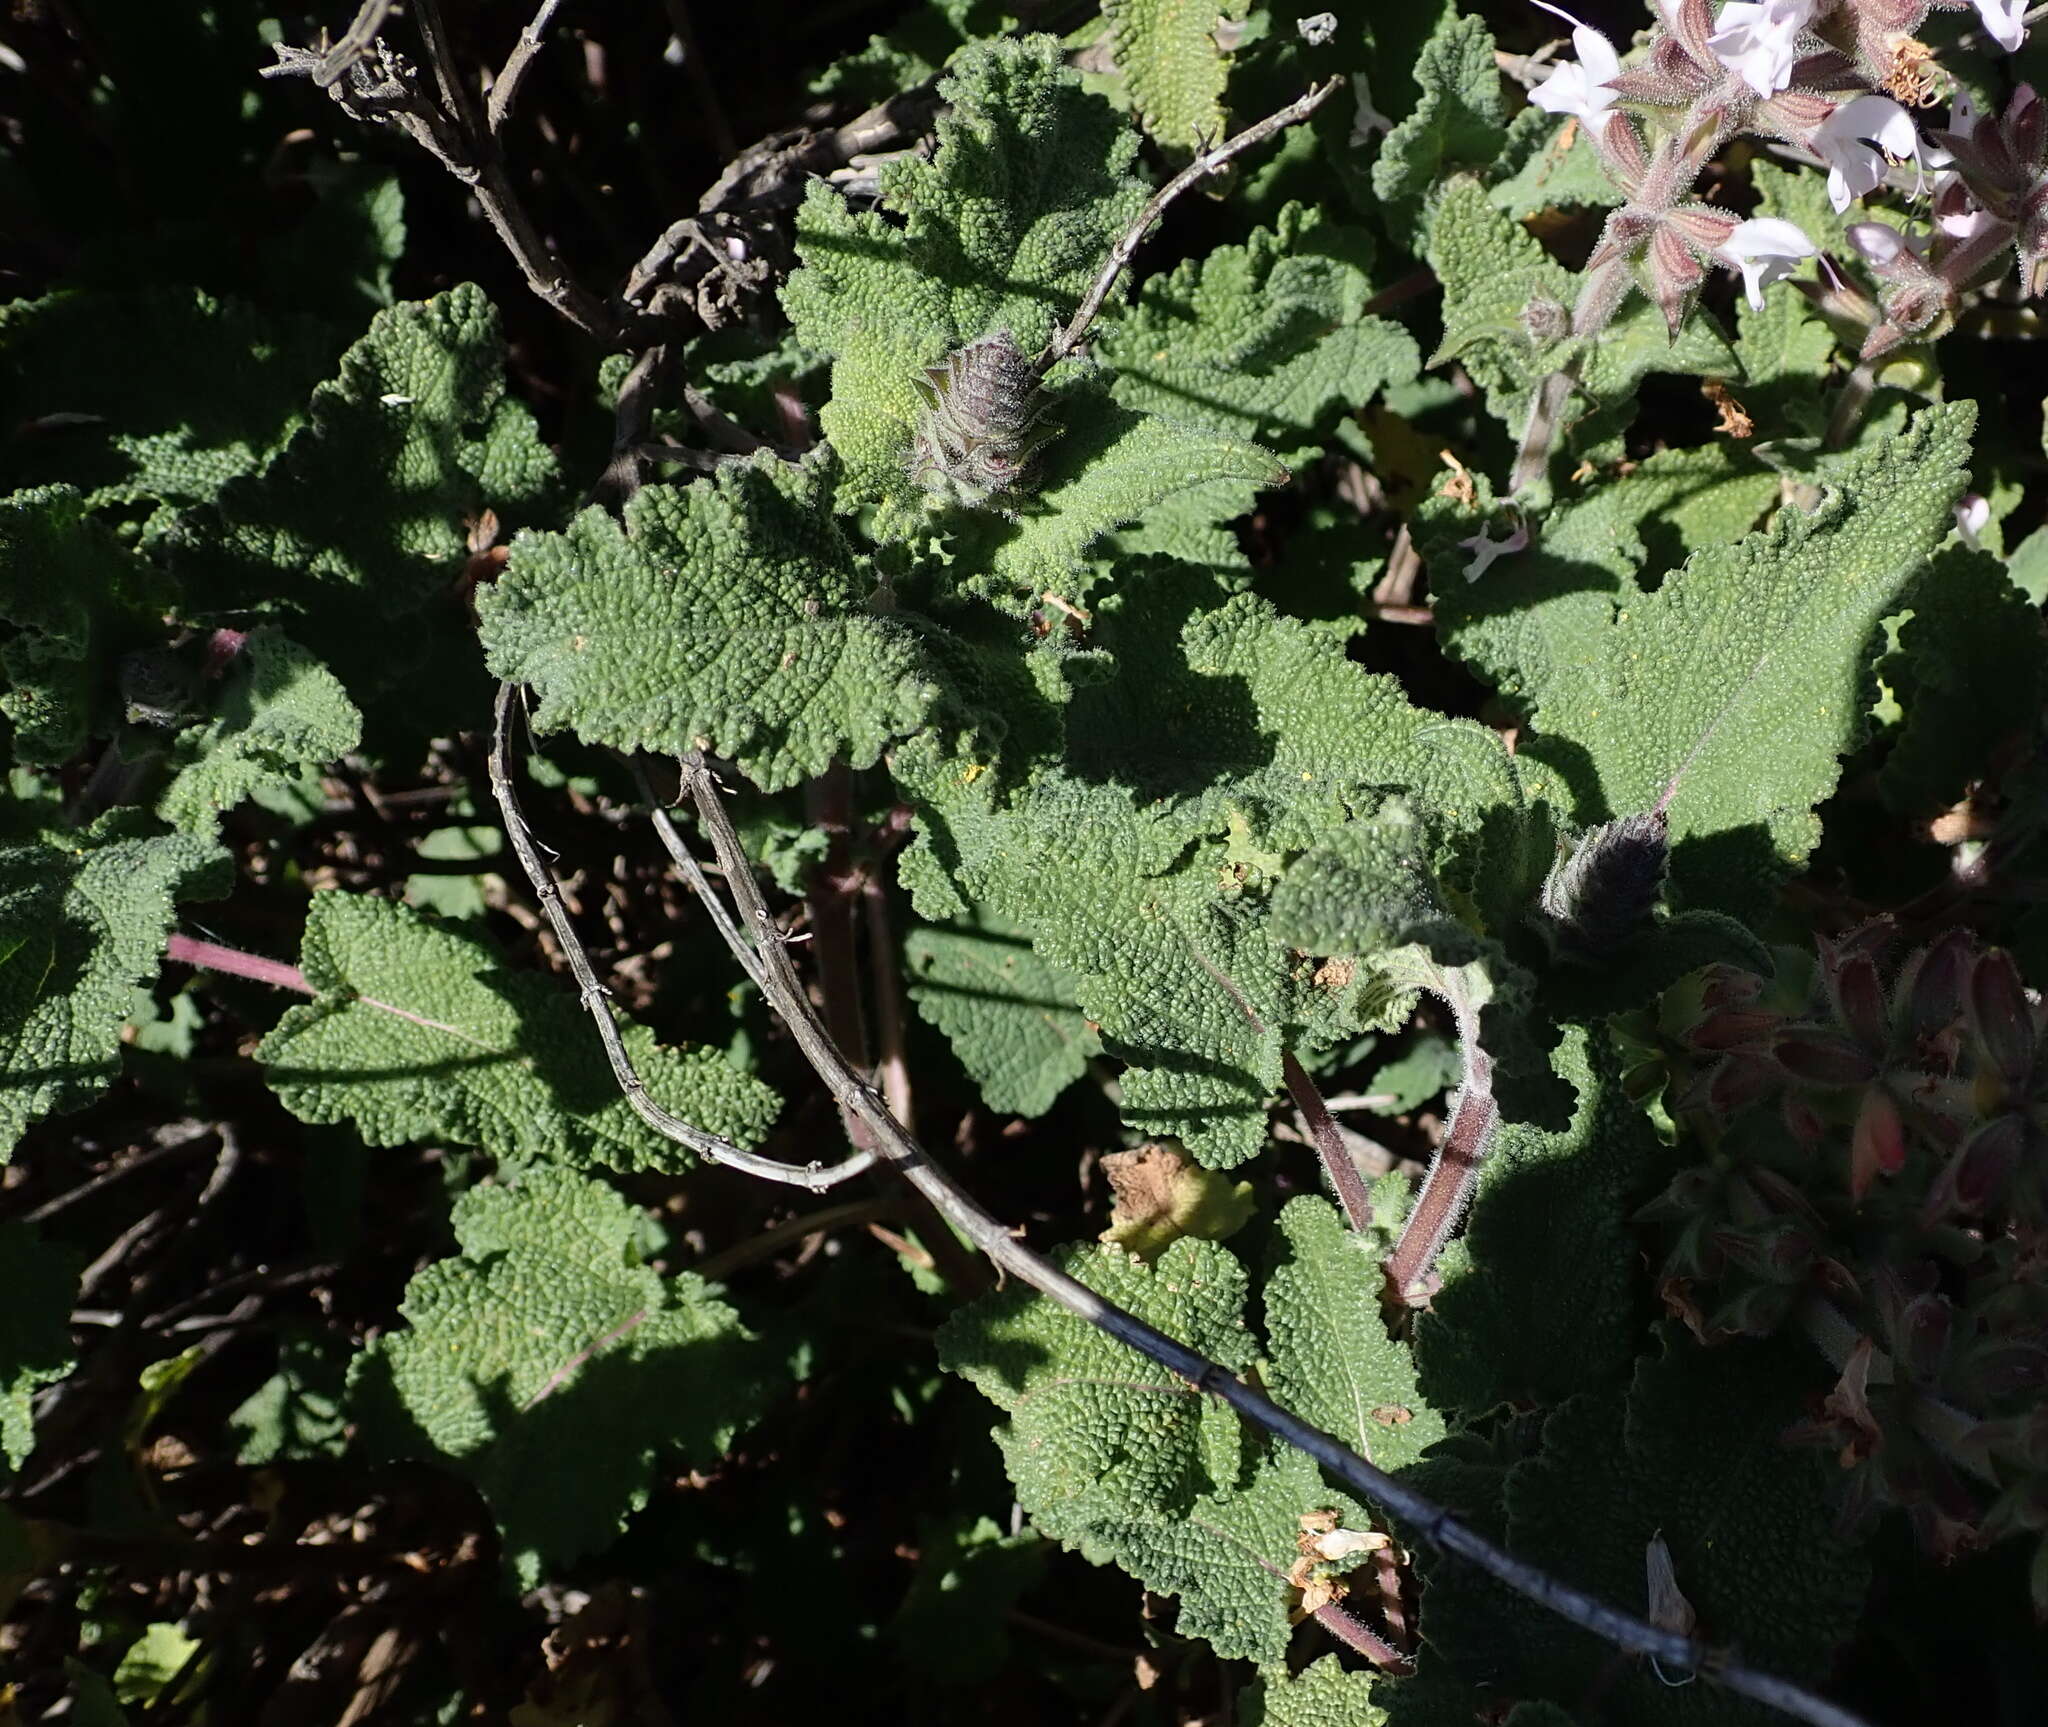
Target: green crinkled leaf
{"type": "Point", "coordinates": [1323, 1694]}
{"type": "Point", "coordinates": [1226, 735]}
{"type": "Point", "coordinates": [83, 920]}
{"type": "Point", "coordinates": [1169, 56]}
{"type": "Point", "coordinates": [418, 1031]}
{"type": "Point", "coordinates": [1226, 1557]}
{"type": "Point", "coordinates": [278, 714]}
{"type": "Point", "coordinates": [74, 596]}
{"type": "Point", "coordinates": [1110, 466]}
{"type": "Point", "coordinates": [1001, 229]}
{"type": "Point", "coordinates": [298, 1413]}
{"type": "Point", "coordinates": [1492, 268]}
{"type": "Point", "coordinates": [727, 615]}
{"type": "Point", "coordinates": [1541, 1296]}
{"type": "Point", "coordinates": [1329, 1358]}
{"type": "Point", "coordinates": [549, 1367]}
{"type": "Point", "coordinates": [38, 1288]}
{"type": "Point", "coordinates": [1097, 1431]}
{"type": "Point", "coordinates": [1460, 120]}
{"type": "Point", "coordinates": [913, 52]}
{"type": "Point", "coordinates": [1971, 671]}
{"type": "Point", "coordinates": [951, 1626]}
{"type": "Point", "coordinates": [1744, 671]}
{"type": "Point", "coordinates": [1266, 342]}
{"type": "Point", "coordinates": [1008, 1014]}
{"type": "Point", "coordinates": [1548, 164]}
{"type": "Point", "coordinates": [1119, 1458]}
{"type": "Point", "coordinates": [161, 394]}
{"type": "Point", "coordinates": [354, 537]}
{"type": "Point", "coordinates": [1693, 1452]}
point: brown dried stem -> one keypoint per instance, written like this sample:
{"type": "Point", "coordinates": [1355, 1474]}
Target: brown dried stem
{"type": "Point", "coordinates": [1206, 162]}
{"type": "Point", "coordinates": [594, 995]}
{"type": "Point", "coordinates": [1424, 1519]}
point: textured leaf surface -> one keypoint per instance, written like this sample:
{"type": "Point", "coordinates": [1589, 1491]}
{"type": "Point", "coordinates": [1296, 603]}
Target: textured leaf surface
{"type": "Point", "coordinates": [160, 394]}
{"type": "Point", "coordinates": [1267, 341]}
{"type": "Point", "coordinates": [552, 1369]}
{"type": "Point", "coordinates": [354, 535]}
{"type": "Point", "coordinates": [1227, 1557]}
{"type": "Point", "coordinates": [1121, 1459]}
{"type": "Point", "coordinates": [1541, 1297]}
{"type": "Point", "coordinates": [1546, 164]}
{"type": "Point", "coordinates": [1329, 1358]}
{"type": "Point", "coordinates": [418, 1031]}
{"type": "Point", "coordinates": [1491, 268]}
{"type": "Point", "coordinates": [1323, 1694]}
{"type": "Point", "coordinates": [83, 919]}
{"type": "Point", "coordinates": [1096, 1431]}
{"type": "Point", "coordinates": [1745, 669]}
{"type": "Point", "coordinates": [1008, 1014]}
{"type": "Point", "coordinates": [952, 1626]}
{"type": "Point", "coordinates": [73, 595]}
{"type": "Point", "coordinates": [1111, 466]}
{"type": "Point", "coordinates": [1971, 671]}
{"type": "Point", "coordinates": [1460, 120]}
{"type": "Point", "coordinates": [728, 615]}
{"type": "Point", "coordinates": [38, 1288]}
{"type": "Point", "coordinates": [1694, 1452]}
{"type": "Point", "coordinates": [278, 714]}
{"type": "Point", "coordinates": [1140, 865]}
{"type": "Point", "coordinates": [1168, 54]}
{"type": "Point", "coordinates": [1000, 230]}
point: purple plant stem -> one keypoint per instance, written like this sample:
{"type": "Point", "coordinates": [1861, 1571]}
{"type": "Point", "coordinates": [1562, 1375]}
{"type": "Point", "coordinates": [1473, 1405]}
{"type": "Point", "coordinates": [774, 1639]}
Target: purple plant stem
{"type": "Point", "coordinates": [1447, 1189]}
{"type": "Point", "coordinates": [1338, 1164]}
{"type": "Point", "coordinates": [211, 956]}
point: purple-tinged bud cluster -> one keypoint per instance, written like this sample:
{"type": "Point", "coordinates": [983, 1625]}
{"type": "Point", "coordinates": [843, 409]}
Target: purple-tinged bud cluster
{"type": "Point", "coordinates": [1879, 1180]}
{"type": "Point", "coordinates": [983, 422]}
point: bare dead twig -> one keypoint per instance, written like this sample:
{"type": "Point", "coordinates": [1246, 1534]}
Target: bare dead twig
{"type": "Point", "coordinates": [378, 87]}
{"type": "Point", "coordinates": [594, 996]}
{"type": "Point", "coordinates": [1425, 1520]}
{"type": "Point", "coordinates": [717, 1267]}
{"type": "Point", "coordinates": [353, 44]}
{"type": "Point", "coordinates": [1206, 162]}
{"type": "Point", "coordinates": [505, 87]}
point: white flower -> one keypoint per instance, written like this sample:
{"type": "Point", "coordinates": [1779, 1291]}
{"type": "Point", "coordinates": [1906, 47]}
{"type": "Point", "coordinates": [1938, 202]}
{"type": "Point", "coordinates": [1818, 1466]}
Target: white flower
{"type": "Point", "coordinates": [2003, 22]}
{"type": "Point", "coordinates": [1764, 249]}
{"type": "Point", "coordinates": [1962, 114]}
{"type": "Point", "coordinates": [1880, 243]}
{"type": "Point", "coordinates": [1973, 515]}
{"type": "Point", "coordinates": [1580, 87]}
{"type": "Point", "coordinates": [1368, 119]}
{"type": "Point", "coordinates": [1843, 141]}
{"type": "Point", "coordinates": [1486, 550]}
{"type": "Point", "coordinates": [1757, 41]}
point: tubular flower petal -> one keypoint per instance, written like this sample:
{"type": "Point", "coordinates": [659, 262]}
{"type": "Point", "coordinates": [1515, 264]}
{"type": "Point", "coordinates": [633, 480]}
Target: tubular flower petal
{"type": "Point", "coordinates": [1764, 249]}
{"type": "Point", "coordinates": [1858, 140]}
{"type": "Point", "coordinates": [1579, 87]}
{"type": "Point", "coordinates": [1757, 42]}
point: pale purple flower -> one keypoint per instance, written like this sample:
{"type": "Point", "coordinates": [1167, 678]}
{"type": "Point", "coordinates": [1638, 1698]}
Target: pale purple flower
{"type": "Point", "coordinates": [2004, 22]}
{"type": "Point", "coordinates": [1579, 87]}
{"type": "Point", "coordinates": [1764, 249]}
{"type": "Point", "coordinates": [1880, 244]}
{"type": "Point", "coordinates": [1844, 139]}
{"type": "Point", "coordinates": [1756, 41]}
{"type": "Point", "coordinates": [1486, 550]}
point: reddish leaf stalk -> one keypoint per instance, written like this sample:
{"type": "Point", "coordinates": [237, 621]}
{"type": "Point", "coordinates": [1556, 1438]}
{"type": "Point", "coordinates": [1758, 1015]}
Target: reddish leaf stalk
{"type": "Point", "coordinates": [1338, 1163]}
{"type": "Point", "coordinates": [230, 962]}
{"type": "Point", "coordinates": [1448, 1187]}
